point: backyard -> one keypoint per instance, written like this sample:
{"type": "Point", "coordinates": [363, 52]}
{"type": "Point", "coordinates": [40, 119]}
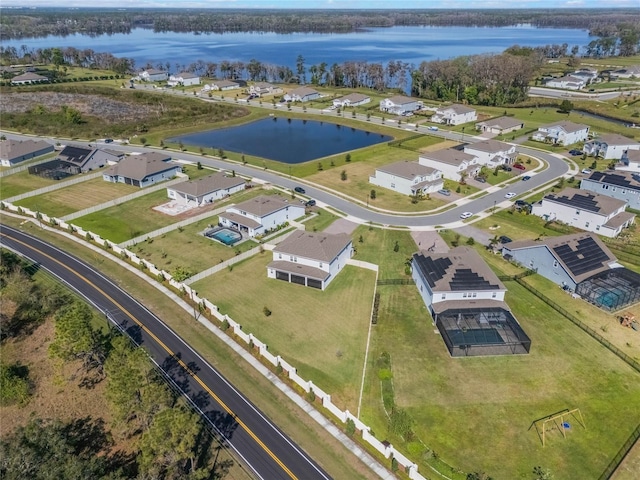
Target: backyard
{"type": "Point", "coordinates": [323, 334]}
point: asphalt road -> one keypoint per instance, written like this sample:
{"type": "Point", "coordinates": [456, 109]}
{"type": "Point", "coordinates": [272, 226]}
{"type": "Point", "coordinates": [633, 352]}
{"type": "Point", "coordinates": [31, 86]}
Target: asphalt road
{"type": "Point", "coordinates": [263, 447]}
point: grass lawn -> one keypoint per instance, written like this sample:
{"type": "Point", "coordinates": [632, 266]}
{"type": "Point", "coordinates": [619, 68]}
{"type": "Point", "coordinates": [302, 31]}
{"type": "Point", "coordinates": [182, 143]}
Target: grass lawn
{"type": "Point", "coordinates": [320, 221]}
{"type": "Point", "coordinates": [77, 197]}
{"type": "Point", "coordinates": [129, 219]}
{"type": "Point", "coordinates": [22, 182]}
{"type": "Point", "coordinates": [188, 248]}
{"type": "Point", "coordinates": [520, 226]}
{"type": "Point", "coordinates": [323, 334]}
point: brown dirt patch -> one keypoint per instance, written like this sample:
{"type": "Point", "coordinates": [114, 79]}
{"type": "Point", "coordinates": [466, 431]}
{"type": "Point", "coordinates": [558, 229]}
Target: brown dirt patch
{"type": "Point", "coordinates": [55, 394]}
{"type": "Point", "coordinates": [93, 105]}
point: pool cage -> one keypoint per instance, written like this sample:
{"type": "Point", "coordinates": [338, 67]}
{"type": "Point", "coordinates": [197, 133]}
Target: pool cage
{"type": "Point", "coordinates": [54, 170]}
{"type": "Point", "coordinates": [481, 331]}
{"type": "Point", "coordinates": [612, 289]}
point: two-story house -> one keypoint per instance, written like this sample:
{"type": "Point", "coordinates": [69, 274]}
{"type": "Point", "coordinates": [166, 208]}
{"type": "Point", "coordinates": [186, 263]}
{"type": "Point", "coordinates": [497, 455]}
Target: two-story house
{"type": "Point", "coordinates": [408, 178]}
{"type": "Point", "coordinates": [492, 152]}
{"type": "Point", "coordinates": [562, 133]}
{"type": "Point", "coordinates": [610, 146]}
{"type": "Point", "coordinates": [466, 301]}
{"type": "Point", "coordinates": [261, 214]}
{"type": "Point", "coordinates": [312, 259]}
{"type": "Point", "coordinates": [454, 164]}
{"type": "Point", "coordinates": [621, 185]}
{"type": "Point", "coordinates": [264, 88]}
{"type": "Point", "coordinates": [586, 210]}
{"type": "Point", "coordinates": [454, 115]}
{"type": "Point", "coordinates": [153, 75]}
{"type": "Point", "coordinates": [630, 162]}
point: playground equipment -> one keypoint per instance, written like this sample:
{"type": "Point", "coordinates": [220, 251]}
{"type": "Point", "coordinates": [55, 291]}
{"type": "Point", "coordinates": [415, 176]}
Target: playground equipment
{"type": "Point", "coordinates": [628, 319]}
{"type": "Point", "coordinates": [557, 421]}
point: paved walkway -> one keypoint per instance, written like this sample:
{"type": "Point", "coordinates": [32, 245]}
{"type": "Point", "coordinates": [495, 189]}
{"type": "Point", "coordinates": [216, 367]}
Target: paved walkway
{"type": "Point", "coordinates": [334, 431]}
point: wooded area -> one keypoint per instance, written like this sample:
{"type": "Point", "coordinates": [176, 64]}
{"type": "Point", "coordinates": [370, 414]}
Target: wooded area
{"type": "Point", "coordinates": [22, 23]}
{"type": "Point", "coordinates": [166, 439]}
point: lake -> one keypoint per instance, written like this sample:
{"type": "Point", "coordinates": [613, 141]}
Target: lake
{"type": "Point", "coordinates": [412, 45]}
{"type": "Point", "coordinates": [285, 140]}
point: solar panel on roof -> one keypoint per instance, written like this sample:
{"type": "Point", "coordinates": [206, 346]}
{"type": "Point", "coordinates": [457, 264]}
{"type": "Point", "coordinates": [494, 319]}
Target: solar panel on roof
{"type": "Point", "coordinates": [585, 202]}
{"type": "Point", "coordinates": [466, 279]}
{"type": "Point", "coordinates": [432, 270]}
{"type": "Point", "coordinates": [586, 256]}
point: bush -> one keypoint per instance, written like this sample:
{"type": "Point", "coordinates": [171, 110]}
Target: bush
{"type": "Point", "coordinates": [266, 311]}
{"type": "Point", "coordinates": [350, 427]}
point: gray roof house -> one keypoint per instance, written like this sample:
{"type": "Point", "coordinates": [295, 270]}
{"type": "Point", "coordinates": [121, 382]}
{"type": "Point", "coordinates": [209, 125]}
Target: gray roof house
{"type": "Point", "coordinates": [13, 152]}
{"type": "Point", "coordinates": [589, 211]}
{"type": "Point", "coordinates": [261, 214]}
{"type": "Point", "coordinates": [302, 94]}
{"type": "Point", "coordinates": [84, 160]}
{"type": "Point", "coordinates": [352, 100]}
{"type": "Point", "coordinates": [453, 163]}
{"type": "Point", "coordinates": [562, 133]}
{"type": "Point", "coordinates": [221, 85]}
{"type": "Point", "coordinates": [610, 146]}
{"type": "Point", "coordinates": [466, 301]}
{"type": "Point", "coordinates": [621, 185]}
{"type": "Point", "coordinates": [579, 263]}
{"type": "Point", "coordinates": [142, 170]}
{"type": "Point", "coordinates": [204, 190]}
{"type": "Point", "coordinates": [312, 259]}
{"type": "Point", "coordinates": [153, 75]}
{"type": "Point", "coordinates": [500, 125]}
{"type": "Point", "coordinates": [408, 178]}
{"type": "Point", "coordinates": [28, 78]}
{"type": "Point", "coordinates": [400, 105]}
{"type": "Point", "coordinates": [455, 114]}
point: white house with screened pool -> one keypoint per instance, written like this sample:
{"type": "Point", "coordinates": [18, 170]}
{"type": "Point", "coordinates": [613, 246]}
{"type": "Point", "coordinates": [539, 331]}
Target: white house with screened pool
{"type": "Point", "coordinates": [312, 259]}
{"type": "Point", "coordinates": [261, 214]}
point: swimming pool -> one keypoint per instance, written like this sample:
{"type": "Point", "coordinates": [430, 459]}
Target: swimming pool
{"type": "Point", "coordinates": [224, 235]}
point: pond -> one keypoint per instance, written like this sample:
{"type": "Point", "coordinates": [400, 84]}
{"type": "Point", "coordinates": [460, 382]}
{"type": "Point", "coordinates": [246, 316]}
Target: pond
{"type": "Point", "coordinates": [284, 139]}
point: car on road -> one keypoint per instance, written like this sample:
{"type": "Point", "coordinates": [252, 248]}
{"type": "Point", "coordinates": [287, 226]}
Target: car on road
{"type": "Point", "coordinates": [505, 239]}
{"type": "Point", "coordinates": [108, 140]}
{"type": "Point", "coordinates": [466, 215]}
{"type": "Point", "coordinates": [575, 152]}
{"type": "Point", "coordinates": [433, 129]}
{"type": "Point", "coordinates": [526, 177]}
{"type": "Point", "coordinates": [446, 192]}
{"type": "Point", "coordinates": [586, 171]}
{"type": "Point", "coordinates": [510, 195]}
{"type": "Point", "coordinates": [519, 166]}
{"type": "Point", "coordinates": [310, 203]}
{"type": "Point", "coordinates": [299, 190]}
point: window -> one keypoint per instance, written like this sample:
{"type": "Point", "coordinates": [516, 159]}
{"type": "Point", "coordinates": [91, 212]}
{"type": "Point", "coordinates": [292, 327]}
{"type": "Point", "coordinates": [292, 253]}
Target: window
{"type": "Point", "coordinates": [393, 185]}
{"type": "Point", "coordinates": [280, 256]}
{"type": "Point", "coordinates": [555, 264]}
{"type": "Point", "coordinates": [320, 265]}
{"type": "Point", "coordinates": [494, 295]}
{"type": "Point", "coordinates": [586, 225]}
{"type": "Point", "coordinates": [464, 295]}
{"type": "Point", "coordinates": [577, 212]}
{"type": "Point", "coordinates": [474, 294]}
{"type": "Point", "coordinates": [291, 258]}
{"type": "Point", "coordinates": [444, 295]}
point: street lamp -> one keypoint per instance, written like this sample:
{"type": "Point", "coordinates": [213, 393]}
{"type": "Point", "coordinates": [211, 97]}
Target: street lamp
{"type": "Point", "coordinates": [494, 207]}
{"type": "Point", "coordinates": [367, 200]}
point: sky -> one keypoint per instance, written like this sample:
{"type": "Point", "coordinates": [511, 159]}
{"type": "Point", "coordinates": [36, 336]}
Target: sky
{"type": "Point", "coordinates": [330, 4]}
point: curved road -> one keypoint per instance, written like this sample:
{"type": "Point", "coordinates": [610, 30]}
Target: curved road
{"type": "Point", "coordinates": [270, 454]}
{"type": "Point", "coordinates": [556, 168]}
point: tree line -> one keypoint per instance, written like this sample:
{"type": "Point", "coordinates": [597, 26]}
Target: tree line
{"type": "Point", "coordinates": [22, 23]}
{"type": "Point", "coordinates": [170, 441]}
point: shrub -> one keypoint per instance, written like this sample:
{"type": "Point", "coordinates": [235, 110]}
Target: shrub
{"type": "Point", "coordinates": [266, 311]}
{"type": "Point", "coordinates": [350, 427]}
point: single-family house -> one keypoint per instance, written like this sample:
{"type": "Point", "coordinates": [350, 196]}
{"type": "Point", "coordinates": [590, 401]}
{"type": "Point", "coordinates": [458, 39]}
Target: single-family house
{"type": "Point", "coordinates": [184, 79]}
{"type": "Point", "coordinates": [610, 146]}
{"type": "Point", "coordinates": [492, 152]}
{"type": "Point", "coordinates": [622, 185]}
{"type": "Point", "coordinates": [630, 161]}
{"type": "Point", "coordinates": [28, 79]}
{"type": "Point", "coordinates": [567, 82]}
{"type": "Point", "coordinates": [351, 100]}
{"type": "Point", "coordinates": [302, 94]}
{"type": "Point", "coordinates": [205, 190]}
{"type": "Point", "coordinates": [408, 178]}
{"type": "Point", "coordinates": [466, 301]}
{"type": "Point", "coordinates": [588, 74]}
{"type": "Point", "coordinates": [261, 214]}
{"type": "Point", "coordinates": [312, 259]}
{"type": "Point", "coordinates": [562, 133]}
{"type": "Point", "coordinates": [13, 152]}
{"type": "Point", "coordinates": [221, 85]}
{"type": "Point", "coordinates": [81, 159]}
{"type": "Point", "coordinates": [142, 170]}
{"type": "Point", "coordinates": [453, 163]}
{"type": "Point", "coordinates": [153, 75]}
{"type": "Point", "coordinates": [500, 125]}
{"type": "Point", "coordinates": [565, 260]}
{"type": "Point", "coordinates": [400, 105]}
{"type": "Point", "coordinates": [586, 210]}
{"type": "Point", "coordinates": [264, 88]}
{"type": "Point", "coordinates": [454, 115]}
{"type": "Point", "coordinates": [579, 263]}
{"type": "Point", "coordinates": [626, 72]}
